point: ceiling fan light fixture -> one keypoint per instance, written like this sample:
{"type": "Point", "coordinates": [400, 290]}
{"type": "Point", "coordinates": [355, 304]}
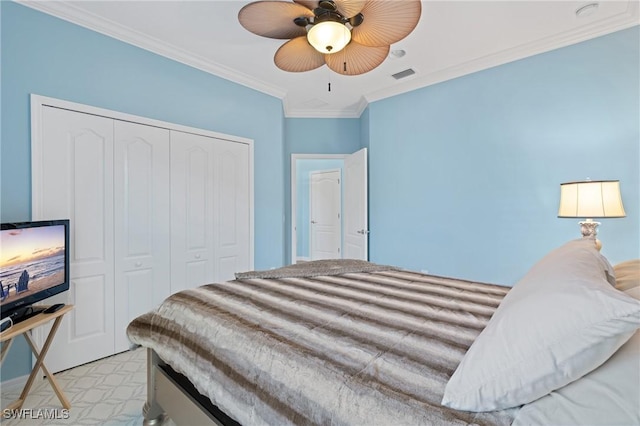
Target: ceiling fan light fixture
{"type": "Point", "coordinates": [329, 36]}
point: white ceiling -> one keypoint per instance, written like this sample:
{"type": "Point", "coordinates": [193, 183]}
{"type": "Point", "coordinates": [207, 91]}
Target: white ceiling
{"type": "Point", "coordinates": [453, 38]}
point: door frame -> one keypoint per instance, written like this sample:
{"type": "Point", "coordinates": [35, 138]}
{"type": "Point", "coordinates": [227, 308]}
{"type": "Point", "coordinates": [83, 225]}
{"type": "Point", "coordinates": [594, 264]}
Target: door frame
{"type": "Point", "coordinates": [294, 192]}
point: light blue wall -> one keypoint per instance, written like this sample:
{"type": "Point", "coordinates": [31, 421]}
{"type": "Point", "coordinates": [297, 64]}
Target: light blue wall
{"type": "Point", "coordinates": [51, 57]}
{"type": "Point", "coordinates": [365, 125]}
{"type": "Point", "coordinates": [304, 167]}
{"type": "Point", "coordinates": [464, 175]}
{"type": "Point", "coordinates": [315, 136]}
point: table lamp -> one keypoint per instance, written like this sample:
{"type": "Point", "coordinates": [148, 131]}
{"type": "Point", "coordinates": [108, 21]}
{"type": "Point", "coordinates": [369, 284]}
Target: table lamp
{"type": "Point", "coordinates": [588, 200]}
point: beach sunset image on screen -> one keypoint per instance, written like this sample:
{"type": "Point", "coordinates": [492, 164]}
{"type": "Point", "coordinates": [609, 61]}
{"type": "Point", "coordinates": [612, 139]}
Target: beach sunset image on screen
{"type": "Point", "coordinates": [31, 260]}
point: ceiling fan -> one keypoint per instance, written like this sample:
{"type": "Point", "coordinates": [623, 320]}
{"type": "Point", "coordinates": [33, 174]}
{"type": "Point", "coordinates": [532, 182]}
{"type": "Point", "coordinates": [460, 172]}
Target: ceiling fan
{"type": "Point", "coordinates": [351, 36]}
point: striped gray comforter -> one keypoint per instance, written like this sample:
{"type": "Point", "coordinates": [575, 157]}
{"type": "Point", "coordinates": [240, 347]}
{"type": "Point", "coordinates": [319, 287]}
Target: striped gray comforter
{"type": "Point", "coordinates": [354, 349]}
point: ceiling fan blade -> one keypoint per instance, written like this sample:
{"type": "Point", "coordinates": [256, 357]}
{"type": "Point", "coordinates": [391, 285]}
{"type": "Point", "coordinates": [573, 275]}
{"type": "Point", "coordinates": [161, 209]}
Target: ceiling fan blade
{"type": "Point", "coordinates": [356, 59]}
{"type": "Point", "coordinates": [349, 8]}
{"type": "Point", "coordinates": [386, 22]}
{"type": "Point", "coordinates": [273, 19]}
{"type": "Point", "coordinates": [298, 55]}
{"type": "Point", "coordinates": [309, 4]}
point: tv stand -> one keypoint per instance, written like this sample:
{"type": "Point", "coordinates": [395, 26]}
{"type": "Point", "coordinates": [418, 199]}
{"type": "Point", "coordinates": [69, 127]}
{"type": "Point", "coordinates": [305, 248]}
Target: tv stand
{"type": "Point", "coordinates": [24, 328]}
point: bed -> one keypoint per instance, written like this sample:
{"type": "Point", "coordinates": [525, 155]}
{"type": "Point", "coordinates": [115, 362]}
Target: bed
{"type": "Point", "coordinates": [328, 342]}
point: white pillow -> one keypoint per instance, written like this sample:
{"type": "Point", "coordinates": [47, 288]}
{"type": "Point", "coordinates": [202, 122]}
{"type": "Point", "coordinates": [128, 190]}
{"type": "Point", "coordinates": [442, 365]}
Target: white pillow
{"type": "Point", "coordinates": [627, 274]}
{"type": "Point", "coordinates": [559, 322]}
{"type": "Point", "coordinates": [609, 395]}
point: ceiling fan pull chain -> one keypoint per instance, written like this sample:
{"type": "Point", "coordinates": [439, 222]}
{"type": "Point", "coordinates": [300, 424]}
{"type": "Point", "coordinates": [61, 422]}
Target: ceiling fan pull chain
{"type": "Point", "coordinates": [344, 64]}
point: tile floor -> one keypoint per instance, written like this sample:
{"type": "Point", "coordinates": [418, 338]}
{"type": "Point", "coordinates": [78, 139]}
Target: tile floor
{"type": "Point", "coordinates": [110, 392]}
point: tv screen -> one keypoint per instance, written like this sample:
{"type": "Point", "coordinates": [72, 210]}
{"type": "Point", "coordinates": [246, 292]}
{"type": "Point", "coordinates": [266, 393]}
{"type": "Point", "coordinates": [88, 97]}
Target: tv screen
{"type": "Point", "coordinates": [34, 264]}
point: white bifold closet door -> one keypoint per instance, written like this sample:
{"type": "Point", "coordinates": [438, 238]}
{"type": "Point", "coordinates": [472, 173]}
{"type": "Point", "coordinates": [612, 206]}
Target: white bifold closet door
{"type": "Point", "coordinates": [74, 174]}
{"type": "Point", "coordinates": [141, 222]}
{"type": "Point", "coordinates": [152, 211]}
{"type": "Point", "coordinates": [111, 179]}
{"type": "Point", "coordinates": [210, 212]}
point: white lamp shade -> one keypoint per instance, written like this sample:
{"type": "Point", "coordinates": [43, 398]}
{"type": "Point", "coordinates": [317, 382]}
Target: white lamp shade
{"type": "Point", "coordinates": [329, 36]}
{"type": "Point", "coordinates": [591, 199]}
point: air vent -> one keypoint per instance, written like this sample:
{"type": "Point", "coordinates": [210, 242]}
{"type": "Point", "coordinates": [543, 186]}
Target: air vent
{"type": "Point", "coordinates": [403, 74]}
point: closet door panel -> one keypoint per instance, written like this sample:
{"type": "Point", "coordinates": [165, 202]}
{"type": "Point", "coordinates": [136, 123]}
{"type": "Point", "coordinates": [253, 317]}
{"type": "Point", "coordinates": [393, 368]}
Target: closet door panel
{"type": "Point", "coordinates": [142, 221]}
{"type": "Point", "coordinates": [192, 200]}
{"type": "Point", "coordinates": [74, 179]}
{"type": "Point", "coordinates": [232, 209]}
{"type": "Point", "coordinates": [90, 321]}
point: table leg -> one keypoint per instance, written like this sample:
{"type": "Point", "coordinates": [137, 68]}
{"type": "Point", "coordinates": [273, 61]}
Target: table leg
{"type": "Point", "coordinates": [5, 349]}
{"type": "Point", "coordinates": [40, 364]}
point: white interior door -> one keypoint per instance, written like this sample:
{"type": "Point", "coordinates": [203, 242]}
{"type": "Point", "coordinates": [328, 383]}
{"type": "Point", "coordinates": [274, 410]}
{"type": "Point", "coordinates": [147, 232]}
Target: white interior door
{"type": "Point", "coordinates": [324, 213]}
{"type": "Point", "coordinates": [141, 222]}
{"type": "Point", "coordinates": [73, 178]}
{"type": "Point", "coordinates": [356, 225]}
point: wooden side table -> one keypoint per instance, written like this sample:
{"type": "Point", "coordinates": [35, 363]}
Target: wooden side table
{"type": "Point", "coordinates": [24, 328]}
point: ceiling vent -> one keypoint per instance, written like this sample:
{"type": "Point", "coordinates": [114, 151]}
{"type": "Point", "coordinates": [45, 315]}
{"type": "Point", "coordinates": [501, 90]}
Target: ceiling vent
{"type": "Point", "coordinates": [403, 74]}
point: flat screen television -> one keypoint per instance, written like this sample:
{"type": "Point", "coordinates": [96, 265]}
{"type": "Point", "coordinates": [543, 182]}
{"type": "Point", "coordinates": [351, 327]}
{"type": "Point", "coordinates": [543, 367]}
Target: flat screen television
{"type": "Point", "coordinates": [34, 265]}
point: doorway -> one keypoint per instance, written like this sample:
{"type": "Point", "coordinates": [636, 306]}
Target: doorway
{"type": "Point", "coordinates": [354, 205]}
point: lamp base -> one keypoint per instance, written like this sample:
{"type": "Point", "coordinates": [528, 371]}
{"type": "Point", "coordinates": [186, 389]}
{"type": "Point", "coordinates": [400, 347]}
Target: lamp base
{"type": "Point", "coordinates": [589, 229]}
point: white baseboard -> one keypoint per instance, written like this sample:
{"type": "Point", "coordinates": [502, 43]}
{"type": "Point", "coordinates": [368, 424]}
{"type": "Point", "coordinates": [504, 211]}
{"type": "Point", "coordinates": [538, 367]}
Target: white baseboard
{"type": "Point", "coordinates": [15, 383]}
{"type": "Point", "coordinates": [302, 259]}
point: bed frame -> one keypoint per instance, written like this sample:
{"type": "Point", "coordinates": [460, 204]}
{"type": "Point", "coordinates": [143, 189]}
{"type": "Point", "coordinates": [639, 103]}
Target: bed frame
{"type": "Point", "coordinates": [171, 395]}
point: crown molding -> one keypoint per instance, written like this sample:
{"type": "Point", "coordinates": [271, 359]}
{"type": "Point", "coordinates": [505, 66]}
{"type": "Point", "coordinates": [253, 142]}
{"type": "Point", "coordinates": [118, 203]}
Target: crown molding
{"type": "Point", "coordinates": [621, 21]}
{"type": "Point", "coordinates": [362, 105]}
{"type": "Point", "coordinates": [75, 15]}
{"type": "Point", "coordinates": [353, 111]}
{"type": "Point", "coordinates": [70, 13]}
{"type": "Point", "coordinates": [313, 113]}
